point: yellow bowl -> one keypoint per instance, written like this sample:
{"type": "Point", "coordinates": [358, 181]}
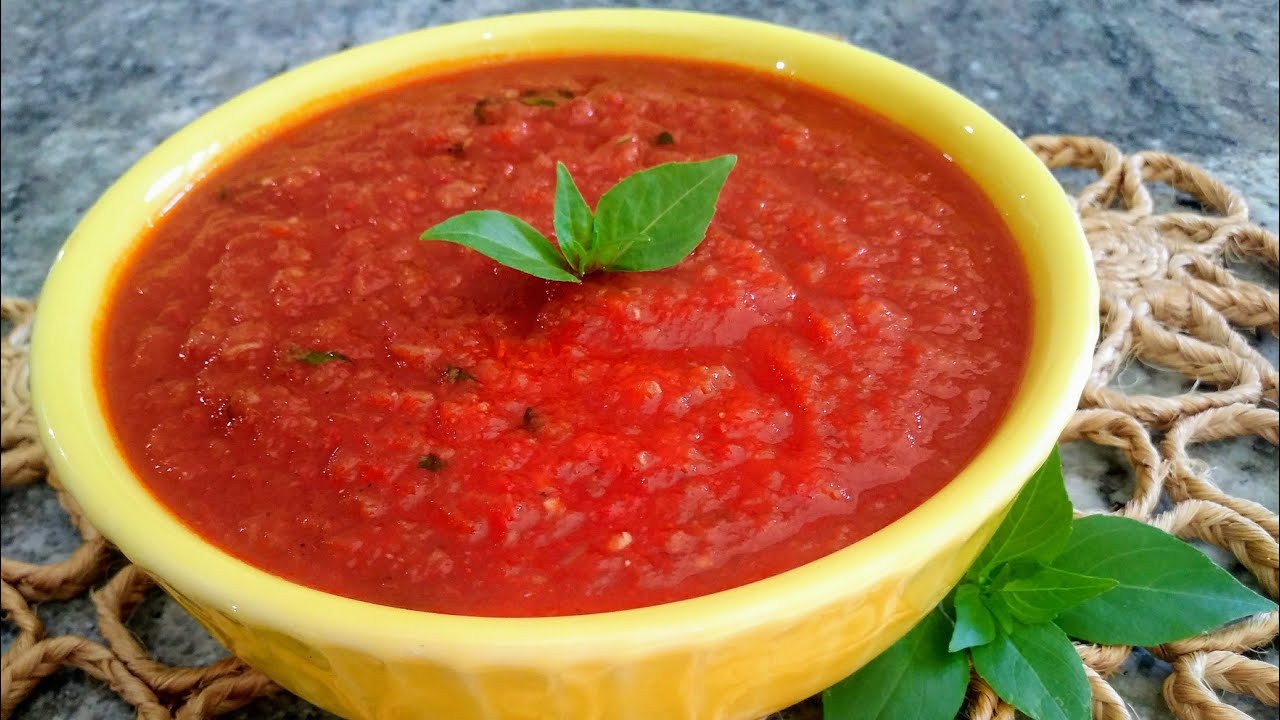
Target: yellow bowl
{"type": "Point", "coordinates": [740, 653]}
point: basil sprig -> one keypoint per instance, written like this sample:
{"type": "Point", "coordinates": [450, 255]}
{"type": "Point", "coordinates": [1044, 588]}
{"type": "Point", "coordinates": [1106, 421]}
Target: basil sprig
{"type": "Point", "coordinates": [650, 220]}
{"type": "Point", "coordinates": [1042, 581]}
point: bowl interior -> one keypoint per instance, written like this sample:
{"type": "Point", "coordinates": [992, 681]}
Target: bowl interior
{"type": "Point", "coordinates": [71, 414]}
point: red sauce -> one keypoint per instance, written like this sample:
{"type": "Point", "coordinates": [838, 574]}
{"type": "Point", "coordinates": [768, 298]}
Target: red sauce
{"type": "Point", "coordinates": [843, 342]}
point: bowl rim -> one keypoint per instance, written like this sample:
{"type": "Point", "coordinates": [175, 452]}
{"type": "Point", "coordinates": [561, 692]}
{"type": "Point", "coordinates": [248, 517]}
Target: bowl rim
{"type": "Point", "coordinates": [74, 431]}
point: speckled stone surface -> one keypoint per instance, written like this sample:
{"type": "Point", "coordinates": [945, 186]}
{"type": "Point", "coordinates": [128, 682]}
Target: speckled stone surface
{"type": "Point", "coordinates": [90, 85]}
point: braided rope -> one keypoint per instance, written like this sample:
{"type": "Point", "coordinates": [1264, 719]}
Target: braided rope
{"type": "Point", "coordinates": [1190, 689]}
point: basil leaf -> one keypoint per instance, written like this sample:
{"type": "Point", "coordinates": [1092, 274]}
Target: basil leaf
{"type": "Point", "coordinates": [431, 462]}
{"type": "Point", "coordinates": [316, 357]}
{"type": "Point", "coordinates": [1036, 669]}
{"type": "Point", "coordinates": [974, 624]}
{"type": "Point", "coordinates": [916, 677]}
{"type": "Point", "coordinates": [667, 208]}
{"type": "Point", "coordinates": [1166, 589]}
{"type": "Point", "coordinates": [1037, 526]}
{"type": "Point", "coordinates": [606, 256]}
{"type": "Point", "coordinates": [648, 221]}
{"type": "Point", "coordinates": [506, 239]}
{"type": "Point", "coordinates": [1042, 593]}
{"type": "Point", "coordinates": [455, 374]}
{"type": "Point", "coordinates": [573, 220]}
{"type": "Point", "coordinates": [477, 110]}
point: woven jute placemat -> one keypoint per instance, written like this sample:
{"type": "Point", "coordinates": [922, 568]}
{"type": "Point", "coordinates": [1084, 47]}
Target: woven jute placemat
{"type": "Point", "coordinates": [1168, 300]}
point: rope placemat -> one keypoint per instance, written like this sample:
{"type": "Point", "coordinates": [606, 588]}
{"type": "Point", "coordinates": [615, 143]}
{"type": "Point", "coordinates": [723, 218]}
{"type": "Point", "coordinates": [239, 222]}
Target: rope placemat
{"type": "Point", "coordinates": [1168, 299]}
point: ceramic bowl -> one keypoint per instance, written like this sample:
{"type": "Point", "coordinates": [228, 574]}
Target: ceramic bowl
{"type": "Point", "coordinates": [740, 653]}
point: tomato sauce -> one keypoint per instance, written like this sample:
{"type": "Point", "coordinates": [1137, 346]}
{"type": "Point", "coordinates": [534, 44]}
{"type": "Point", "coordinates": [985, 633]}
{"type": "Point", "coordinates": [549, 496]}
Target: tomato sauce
{"type": "Point", "coordinates": [316, 391]}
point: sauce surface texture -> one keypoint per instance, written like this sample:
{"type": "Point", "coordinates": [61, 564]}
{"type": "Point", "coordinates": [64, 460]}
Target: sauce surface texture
{"type": "Point", "coordinates": [844, 341]}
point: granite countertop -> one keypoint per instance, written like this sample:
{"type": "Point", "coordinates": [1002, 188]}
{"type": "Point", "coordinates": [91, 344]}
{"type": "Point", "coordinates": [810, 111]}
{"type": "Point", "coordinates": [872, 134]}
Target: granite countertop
{"type": "Point", "coordinates": [90, 85]}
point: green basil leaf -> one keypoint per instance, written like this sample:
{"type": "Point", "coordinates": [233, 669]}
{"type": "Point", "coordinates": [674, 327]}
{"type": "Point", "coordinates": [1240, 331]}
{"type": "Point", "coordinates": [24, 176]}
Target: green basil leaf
{"type": "Point", "coordinates": [666, 208]}
{"type": "Point", "coordinates": [431, 462]}
{"type": "Point", "coordinates": [573, 221]}
{"type": "Point", "coordinates": [1166, 590]}
{"type": "Point", "coordinates": [1043, 593]}
{"type": "Point", "coordinates": [916, 677]}
{"type": "Point", "coordinates": [477, 111]}
{"type": "Point", "coordinates": [316, 357]}
{"type": "Point", "coordinates": [974, 624]}
{"type": "Point", "coordinates": [648, 221]}
{"type": "Point", "coordinates": [507, 239]}
{"type": "Point", "coordinates": [605, 256]}
{"type": "Point", "coordinates": [1036, 669]}
{"type": "Point", "coordinates": [455, 374]}
{"type": "Point", "coordinates": [1037, 526]}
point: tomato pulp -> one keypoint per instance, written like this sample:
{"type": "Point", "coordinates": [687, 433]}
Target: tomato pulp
{"type": "Point", "coordinates": [313, 389]}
